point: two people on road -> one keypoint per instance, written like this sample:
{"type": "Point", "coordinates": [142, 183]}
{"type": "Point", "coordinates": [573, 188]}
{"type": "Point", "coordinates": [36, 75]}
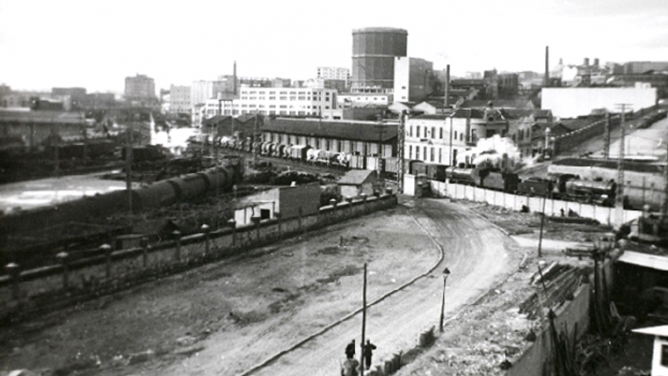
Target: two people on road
{"type": "Point", "coordinates": [351, 366]}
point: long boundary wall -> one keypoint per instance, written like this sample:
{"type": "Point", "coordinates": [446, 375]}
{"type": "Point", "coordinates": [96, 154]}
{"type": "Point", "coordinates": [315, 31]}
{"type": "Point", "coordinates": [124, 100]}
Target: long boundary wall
{"type": "Point", "coordinates": [28, 292]}
{"type": "Point", "coordinates": [602, 214]}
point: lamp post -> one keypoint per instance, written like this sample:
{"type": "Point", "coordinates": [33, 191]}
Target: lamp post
{"type": "Point", "coordinates": [446, 273]}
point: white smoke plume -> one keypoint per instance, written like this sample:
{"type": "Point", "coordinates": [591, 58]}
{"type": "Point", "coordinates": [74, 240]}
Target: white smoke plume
{"type": "Point", "coordinates": [491, 152]}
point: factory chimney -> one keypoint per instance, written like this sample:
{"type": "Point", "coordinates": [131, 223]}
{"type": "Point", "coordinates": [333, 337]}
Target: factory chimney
{"type": "Point", "coordinates": [586, 62]}
{"type": "Point", "coordinates": [596, 62]}
{"type": "Point", "coordinates": [447, 86]}
{"type": "Point", "coordinates": [547, 67]}
{"type": "Point", "coordinates": [235, 78]}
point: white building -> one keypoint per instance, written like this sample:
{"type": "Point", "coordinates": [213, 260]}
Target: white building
{"type": "Point", "coordinates": [364, 99]}
{"type": "Point", "coordinates": [333, 73]}
{"type": "Point", "coordinates": [273, 101]}
{"type": "Point", "coordinates": [140, 86]}
{"type": "Point", "coordinates": [440, 138]}
{"type": "Point", "coordinates": [179, 99]}
{"type": "Point", "coordinates": [202, 90]}
{"type": "Point", "coordinates": [574, 102]}
{"type": "Point", "coordinates": [413, 79]}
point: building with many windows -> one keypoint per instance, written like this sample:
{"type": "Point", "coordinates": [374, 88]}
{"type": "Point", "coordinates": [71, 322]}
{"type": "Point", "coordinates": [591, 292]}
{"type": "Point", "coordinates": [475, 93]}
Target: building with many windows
{"type": "Point", "coordinates": [273, 101]}
{"type": "Point", "coordinates": [179, 99]}
{"type": "Point", "coordinates": [440, 138]}
{"type": "Point", "coordinates": [139, 87]}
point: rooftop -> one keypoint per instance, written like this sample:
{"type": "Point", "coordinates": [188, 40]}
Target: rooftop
{"type": "Point", "coordinates": [341, 129]}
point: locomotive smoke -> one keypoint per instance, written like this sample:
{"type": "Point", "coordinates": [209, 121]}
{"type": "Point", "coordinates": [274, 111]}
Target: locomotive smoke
{"type": "Point", "coordinates": [491, 151]}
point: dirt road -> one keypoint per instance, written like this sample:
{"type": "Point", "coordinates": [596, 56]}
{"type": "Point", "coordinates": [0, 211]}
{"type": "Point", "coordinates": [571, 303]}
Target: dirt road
{"type": "Point", "coordinates": [224, 318]}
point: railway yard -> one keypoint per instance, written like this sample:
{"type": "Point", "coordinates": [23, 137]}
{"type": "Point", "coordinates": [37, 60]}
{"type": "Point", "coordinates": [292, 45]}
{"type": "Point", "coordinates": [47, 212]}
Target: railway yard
{"type": "Point", "coordinates": [290, 308]}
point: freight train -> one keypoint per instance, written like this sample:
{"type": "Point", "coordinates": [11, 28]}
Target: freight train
{"type": "Point", "coordinates": [307, 154]}
{"type": "Point", "coordinates": [563, 187]}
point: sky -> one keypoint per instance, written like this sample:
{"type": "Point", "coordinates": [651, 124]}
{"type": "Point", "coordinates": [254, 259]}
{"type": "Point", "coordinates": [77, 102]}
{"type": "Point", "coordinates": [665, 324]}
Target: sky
{"type": "Point", "coordinates": [97, 43]}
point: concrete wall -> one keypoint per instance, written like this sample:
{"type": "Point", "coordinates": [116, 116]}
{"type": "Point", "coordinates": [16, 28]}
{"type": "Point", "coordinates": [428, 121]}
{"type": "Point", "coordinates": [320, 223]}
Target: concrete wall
{"type": "Point", "coordinates": [44, 289]}
{"type": "Point", "coordinates": [574, 102]}
{"type": "Point", "coordinates": [604, 215]}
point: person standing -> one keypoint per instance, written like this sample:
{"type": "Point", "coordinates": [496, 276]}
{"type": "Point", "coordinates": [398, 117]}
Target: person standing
{"type": "Point", "coordinates": [350, 349]}
{"type": "Point", "coordinates": [368, 353]}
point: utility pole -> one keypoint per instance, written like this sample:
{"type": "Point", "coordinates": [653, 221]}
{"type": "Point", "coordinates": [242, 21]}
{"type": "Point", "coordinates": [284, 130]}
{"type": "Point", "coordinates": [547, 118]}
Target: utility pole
{"type": "Point", "coordinates": [256, 143]}
{"type": "Point", "coordinates": [606, 137]}
{"type": "Point", "coordinates": [381, 130]}
{"type": "Point", "coordinates": [128, 167]}
{"type": "Point", "coordinates": [401, 133]}
{"type": "Point", "coordinates": [619, 195]}
{"type": "Point", "coordinates": [363, 319]}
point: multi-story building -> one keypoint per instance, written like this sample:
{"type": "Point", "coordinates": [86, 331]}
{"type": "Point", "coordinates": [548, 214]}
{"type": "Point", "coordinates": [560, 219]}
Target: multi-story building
{"type": "Point", "coordinates": [203, 90]}
{"type": "Point", "coordinates": [440, 138]}
{"type": "Point", "coordinates": [413, 79]}
{"type": "Point", "coordinates": [379, 99]}
{"type": "Point", "coordinates": [333, 73]}
{"type": "Point", "coordinates": [139, 87]}
{"type": "Point", "coordinates": [179, 99]}
{"type": "Point", "coordinates": [272, 101]}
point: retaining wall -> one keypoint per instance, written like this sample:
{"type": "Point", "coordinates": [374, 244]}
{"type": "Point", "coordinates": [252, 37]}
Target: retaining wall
{"type": "Point", "coordinates": [31, 291]}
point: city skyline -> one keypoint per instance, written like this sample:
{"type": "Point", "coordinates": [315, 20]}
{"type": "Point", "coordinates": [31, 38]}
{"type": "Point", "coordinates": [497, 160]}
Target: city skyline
{"type": "Point", "coordinates": [97, 45]}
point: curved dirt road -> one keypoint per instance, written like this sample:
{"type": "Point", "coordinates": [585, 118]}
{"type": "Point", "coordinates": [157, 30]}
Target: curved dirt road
{"type": "Point", "coordinates": [474, 253]}
{"type": "Point", "coordinates": [223, 318]}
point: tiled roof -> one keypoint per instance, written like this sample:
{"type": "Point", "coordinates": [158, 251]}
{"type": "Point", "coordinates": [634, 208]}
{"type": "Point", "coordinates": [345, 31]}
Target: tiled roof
{"type": "Point", "coordinates": [348, 130]}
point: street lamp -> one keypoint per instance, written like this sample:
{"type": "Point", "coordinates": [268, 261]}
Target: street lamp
{"type": "Point", "coordinates": [446, 273]}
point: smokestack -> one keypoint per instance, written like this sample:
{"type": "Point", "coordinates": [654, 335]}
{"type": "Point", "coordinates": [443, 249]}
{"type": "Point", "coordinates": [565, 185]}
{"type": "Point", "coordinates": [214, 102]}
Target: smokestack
{"type": "Point", "coordinates": [235, 78]}
{"type": "Point", "coordinates": [596, 62]}
{"type": "Point", "coordinates": [547, 66]}
{"type": "Point", "coordinates": [447, 85]}
{"type": "Point", "coordinates": [586, 62]}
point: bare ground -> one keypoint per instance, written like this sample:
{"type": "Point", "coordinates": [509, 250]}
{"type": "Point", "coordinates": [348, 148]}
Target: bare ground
{"type": "Point", "coordinates": [224, 318]}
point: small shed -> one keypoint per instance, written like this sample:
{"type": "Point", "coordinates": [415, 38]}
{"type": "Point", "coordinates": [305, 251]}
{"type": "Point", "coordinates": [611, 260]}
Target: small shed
{"type": "Point", "coordinates": [356, 182]}
{"type": "Point", "coordinates": [660, 352]}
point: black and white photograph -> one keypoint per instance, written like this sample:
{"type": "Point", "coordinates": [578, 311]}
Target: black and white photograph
{"type": "Point", "coordinates": [333, 188]}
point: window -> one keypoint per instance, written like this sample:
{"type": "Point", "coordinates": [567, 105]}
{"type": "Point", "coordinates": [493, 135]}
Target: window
{"type": "Point", "coordinates": [272, 98]}
{"type": "Point", "coordinates": [417, 133]}
{"type": "Point", "coordinates": [461, 137]}
{"type": "Point", "coordinates": [425, 132]}
{"type": "Point", "coordinates": [455, 138]}
{"type": "Point", "coordinates": [664, 355]}
{"type": "Point", "coordinates": [410, 151]}
{"type": "Point", "coordinates": [431, 156]}
{"type": "Point", "coordinates": [410, 131]}
{"type": "Point", "coordinates": [440, 133]}
{"type": "Point", "coordinates": [283, 98]}
{"type": "Point", "coordinates": [339, 146]}
{"type": "Point", "coordinates": [417, 152]}
{"type": "Point", "coordinates": [433, 132]}
{"type": "Point", "coordinates": [424, 154]}
{"type": "Point", "coordinates": [440, 155]}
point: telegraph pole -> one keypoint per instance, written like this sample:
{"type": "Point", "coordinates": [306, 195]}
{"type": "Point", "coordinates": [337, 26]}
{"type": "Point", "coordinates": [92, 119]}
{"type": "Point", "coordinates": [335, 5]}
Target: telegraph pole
{"type": "Point", "coordinates": [128, 167]}
{"type": "Point", "coordinates": [400, 158]}
{"type": "Point", "coordinates": [256, 150]}
{"type": "Point", "coordinates": [606, 137]}
{"type": "Point", "coordinates": [619, 195]}
{"type": "Point", "coordinates": [363, 319]}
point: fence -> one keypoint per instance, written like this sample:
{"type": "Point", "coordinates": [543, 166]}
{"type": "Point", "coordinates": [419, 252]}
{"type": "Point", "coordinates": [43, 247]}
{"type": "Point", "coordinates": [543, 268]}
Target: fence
{"type": "Point", "coordinates": [23, 293]}
{"type": "Point", "coordinates": [511, 201]}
